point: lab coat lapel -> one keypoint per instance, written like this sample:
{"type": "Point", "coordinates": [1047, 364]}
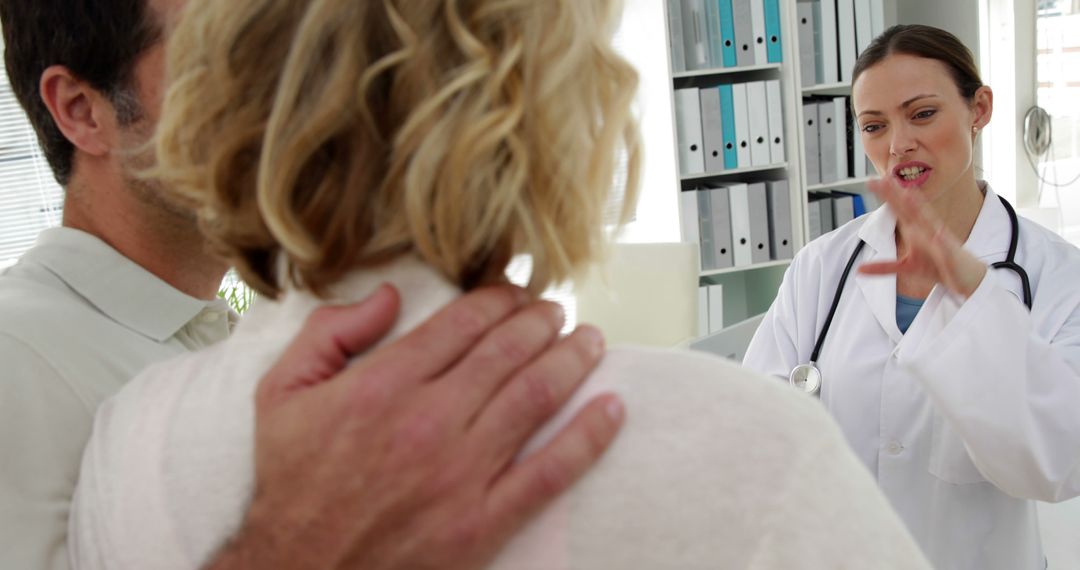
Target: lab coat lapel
{"type": "Point", "coordinates": [879, 291]}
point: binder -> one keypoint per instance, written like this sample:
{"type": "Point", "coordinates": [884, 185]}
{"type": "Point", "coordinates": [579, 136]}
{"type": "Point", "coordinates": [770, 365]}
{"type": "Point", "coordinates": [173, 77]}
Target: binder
{"type": "Point", "coordinates": [778, 203]}
{"type": "Point", "coordinates": [775, 105]}
{"type": "Point", "coordinates": [712, 129]}
{"type": "Point", "coordinates": [858, 205]}
{"type": "Point", "coordinates": [843, 208]}
{"type": "Point", "coordinates": [712, 24]}
{"type": "Point", "coordinates": [877, 17]}
{"type": "Point", "coordinates": [829, 144]}
{"type": "Point", "coordinates": [827, 222]}
{"type": "Point", "coordinates": [808, 69]}
{"type": "Point", "coordinates": [727, 118]}
{"type": "Point", "coordinates": [703, 311]}
{"type": "Point", "coordinates": [705, 230]}
{"type": "Point", "coordinates": [773, 32]}
{"type": "Point", "coordinates": [689, 224]}
{"type": "Point", "coordinates": [742, 124]}
{"type": "Point", "coordinates": [759, 223]}
{"type": "Point", "coordinates": [813, 146]}
{"type": "Point", "coordinates": [744, 33]}
{"type": "Point", "coordinates": [845, 27]}
{"type": "Point", "coordinates": [716, 308]}
{"type": "Point", "coordinates": [688, 129]}
{"type": "Point", "coordinates": [761, 43]}
{"type": "Point", "coordinates": [758, 117]}
{"type": "Point", "coordinates": [864, 27]}
{"type": "Point", "coordinates": [828, 46]}
{"type": "Point", "coordinates": [843, 133]}
{"type": "Point", "coordinates": [675, 36]}
{"type": "Point", "coordinates": [720, 215]}
{"type": "Point", "coordinates": [858, 152]}
{"type": "Point", "coordinates": [727, 33]}
{"type": "Point", "coordinates": [740, 224]}
{"type": "Point", "coordinates": [813, 219]}
{"type": "Point", "coordinates": [695, 34]}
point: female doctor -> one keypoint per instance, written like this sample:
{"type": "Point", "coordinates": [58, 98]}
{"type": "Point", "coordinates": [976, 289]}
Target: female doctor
{"type": "Point", "coordinates": [961, 399]}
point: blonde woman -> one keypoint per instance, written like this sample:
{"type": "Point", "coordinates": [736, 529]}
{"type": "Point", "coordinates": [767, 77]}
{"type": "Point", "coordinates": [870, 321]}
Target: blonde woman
{"type": "Point", "coordinates": [333, 145]}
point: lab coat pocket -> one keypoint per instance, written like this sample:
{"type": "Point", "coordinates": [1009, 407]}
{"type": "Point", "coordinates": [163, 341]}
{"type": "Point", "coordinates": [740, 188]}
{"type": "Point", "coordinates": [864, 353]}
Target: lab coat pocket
{"type": "Point", "coordinates": [949, 459]}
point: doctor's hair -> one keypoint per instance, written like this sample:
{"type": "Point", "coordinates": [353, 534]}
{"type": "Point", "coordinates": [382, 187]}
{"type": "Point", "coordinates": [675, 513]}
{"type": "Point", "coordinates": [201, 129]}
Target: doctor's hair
{"type": "Point", "coordinates": [317, 137]}
{"type": "Point", "coordinates": [98, 41]}
{"type": "Point", "coordinates": [926, 42]}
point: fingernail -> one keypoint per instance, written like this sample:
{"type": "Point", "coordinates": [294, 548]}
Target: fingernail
{"type": "Point", "coordinates": [615, 410]}
{"type": "Point", "coordinates": [594, 340]}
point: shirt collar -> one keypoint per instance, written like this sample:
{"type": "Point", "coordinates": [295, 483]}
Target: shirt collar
{"type": "Point", "coordinates": [118, 287]}
{"type": "Point", "coordinates": [989, 236]}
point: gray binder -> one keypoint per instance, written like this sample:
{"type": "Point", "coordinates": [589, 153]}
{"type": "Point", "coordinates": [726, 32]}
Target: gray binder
{"type": "Point", "coordinates": [744, 33]}
{"type": "Point", "coordinates": [843, 206]}
{"type": "Point", "coordinates": [828, 223]}
{"type": "Point", "coordinates": [712, 129]}
{"type": "Point", "coordinates": [829, 146]}
{"type": "Point", "coordinates": [807, 56]}
{"type": "Point", "coordinates": [721, 227]}
{"type": "Point", "coordinates": [675, 32]}
{"type": "Point", "coordinates": [813, 147]}
{"type": "Point", "coordinates": [813, 219]}
{"type": "Point", "coordinates": [779, 205]}
{"type": "Point", "coordinates": [705, 232]}
{"type": "Point", "coordinates": [759, 223]}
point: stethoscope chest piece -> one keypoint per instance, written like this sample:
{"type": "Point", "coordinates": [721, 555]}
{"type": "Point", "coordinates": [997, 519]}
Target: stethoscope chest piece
{"type": "Point", "coordinates": [806, 377]}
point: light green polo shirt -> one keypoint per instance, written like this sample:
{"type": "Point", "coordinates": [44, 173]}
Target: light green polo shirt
{"type": "Point", "coordinates": [77, 321]}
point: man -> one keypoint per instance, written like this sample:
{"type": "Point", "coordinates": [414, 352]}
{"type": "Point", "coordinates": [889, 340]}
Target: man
{"type": "Point", "coordinates": [128, 281]}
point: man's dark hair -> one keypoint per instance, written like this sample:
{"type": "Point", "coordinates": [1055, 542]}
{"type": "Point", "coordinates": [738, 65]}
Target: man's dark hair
{"type": "Point", "coordinates": [99, 41]}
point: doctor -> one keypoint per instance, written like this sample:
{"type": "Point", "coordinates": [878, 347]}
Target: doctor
{"type": "Point", "coordinates": [962, 401]}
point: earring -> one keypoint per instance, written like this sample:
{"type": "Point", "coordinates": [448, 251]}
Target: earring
{"type": "Point", "coordinates": [975, 130]}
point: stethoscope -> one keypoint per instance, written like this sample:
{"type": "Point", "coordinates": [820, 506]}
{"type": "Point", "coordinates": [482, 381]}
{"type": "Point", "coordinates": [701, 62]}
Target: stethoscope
{"type": "Point", "coordinates": [807, 377]}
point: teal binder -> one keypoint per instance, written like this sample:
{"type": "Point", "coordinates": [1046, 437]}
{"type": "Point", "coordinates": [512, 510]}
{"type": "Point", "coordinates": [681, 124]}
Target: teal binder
{"type": "Point", "coordinates": [772, 31]}
{"type": "Point", "coordinates": [727, 123]}
{"type": "Point", "coordinates": [727, 32]}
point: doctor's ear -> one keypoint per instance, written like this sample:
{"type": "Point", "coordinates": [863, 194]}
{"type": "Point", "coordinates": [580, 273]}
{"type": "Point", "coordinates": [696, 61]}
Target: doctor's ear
{"type": "Point", "coordinates": [982, 107]}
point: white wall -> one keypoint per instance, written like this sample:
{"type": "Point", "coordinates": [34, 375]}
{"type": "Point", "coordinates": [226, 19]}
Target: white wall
{"type": "Point", "coordinates": [642, 39]}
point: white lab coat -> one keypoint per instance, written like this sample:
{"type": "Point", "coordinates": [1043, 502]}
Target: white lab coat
{"type": "Point", "coordinates": [971, 415]}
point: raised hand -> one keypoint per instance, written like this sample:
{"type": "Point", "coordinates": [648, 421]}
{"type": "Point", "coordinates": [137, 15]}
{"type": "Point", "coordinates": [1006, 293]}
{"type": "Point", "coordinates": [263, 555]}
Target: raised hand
{"type": "Point", "coordinates": [931, 252]}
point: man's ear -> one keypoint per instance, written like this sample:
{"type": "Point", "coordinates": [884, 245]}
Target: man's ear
{"type": "Point", "coordinates": [80, 111]}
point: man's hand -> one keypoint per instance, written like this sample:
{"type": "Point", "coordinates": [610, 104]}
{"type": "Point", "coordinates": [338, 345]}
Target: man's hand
{"type": "Point", "coordinates": [405, 459]}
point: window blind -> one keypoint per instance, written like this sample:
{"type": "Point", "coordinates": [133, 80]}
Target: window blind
{"type": "Point", "coordinates": [30, 198]}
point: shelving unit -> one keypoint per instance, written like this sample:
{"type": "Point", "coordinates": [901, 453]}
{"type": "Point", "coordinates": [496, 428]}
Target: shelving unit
{"type": "Point", "coordinates": [750, 289]}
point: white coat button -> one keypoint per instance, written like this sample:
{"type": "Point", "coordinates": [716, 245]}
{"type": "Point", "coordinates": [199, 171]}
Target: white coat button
{"type": "Point", "coordinates": [894, 448]}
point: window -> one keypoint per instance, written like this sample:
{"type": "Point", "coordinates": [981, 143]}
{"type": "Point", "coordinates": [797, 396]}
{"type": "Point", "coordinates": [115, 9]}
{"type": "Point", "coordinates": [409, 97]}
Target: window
{"type": "Point", "coordinates": [1058, 76]}
{"type": "Point", "coordinates": [30, 198]}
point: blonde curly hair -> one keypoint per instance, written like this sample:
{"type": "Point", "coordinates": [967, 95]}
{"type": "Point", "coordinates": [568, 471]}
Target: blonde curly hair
{"type": "Point", "coordinates": [331, 135]}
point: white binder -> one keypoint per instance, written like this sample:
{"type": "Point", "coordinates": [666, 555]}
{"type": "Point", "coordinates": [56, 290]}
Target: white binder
{"type": "Point", "coordinates": [779, 205]}
{"type": "Point", "coordinates": [858, 152]}
{"type": "Point", "coordinates": [808, 69]}
{"type": "Point", "coordinates": [688, 129]}
{"type": "Point", "coordinates": [845, 27]}
{"type": "Point", "coordinates": [828, 46]}
{"type": "Point", "coordinates": [740, 224]}
{"type": "Point", "coordinates": [864, 27]}
{"type": "Point", "coordinates": [777, 154]}
{"type": "Point", "coordinates": [813, 145]}
{"type": "Point", "coordinates": [761, 40]}
{"type": "Point", "coordinates": [712, 129]}
{"type": "Point", "coordinates": [720, 203]}
{"type": "Point", "coordinates": [742, 123]}
{"type": "Point", "coordinates": [758, 112]}
{"type": "Point", "coordinates": [759, 223]}
{"type": "Point", "coordinates": [744, 33]}
{"type": "Point", "coordinates": [813, 219]}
